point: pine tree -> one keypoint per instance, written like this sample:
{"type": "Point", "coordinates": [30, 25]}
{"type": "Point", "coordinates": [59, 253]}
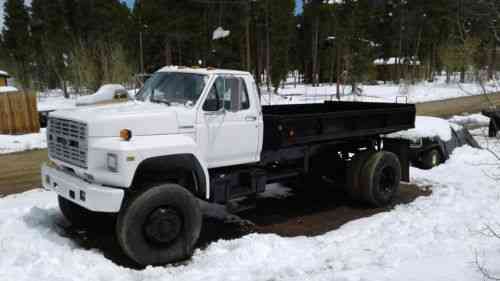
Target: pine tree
{"type": "Point", "coordinates": [16, 40]}
{"type": "Point", "coordinates": [281, 33]}
{"type": "Point", "coordinates": [50, 36]}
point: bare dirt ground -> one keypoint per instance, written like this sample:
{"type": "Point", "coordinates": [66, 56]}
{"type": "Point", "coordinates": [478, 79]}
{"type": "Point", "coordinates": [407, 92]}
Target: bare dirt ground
{"type": "Point", "coordinates": [20, 172]}
{"type": "Point", "coordinates": [457, 106]}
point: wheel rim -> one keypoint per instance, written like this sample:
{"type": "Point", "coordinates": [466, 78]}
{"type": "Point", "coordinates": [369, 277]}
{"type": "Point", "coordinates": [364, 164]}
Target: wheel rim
{"type": "Point", "coordinates": [163, 225]}
{"type": "Point", "coordinates": [387, 182]}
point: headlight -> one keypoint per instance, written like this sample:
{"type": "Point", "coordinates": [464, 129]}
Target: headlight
{"type": "Point", "coordinates": [112, 162]}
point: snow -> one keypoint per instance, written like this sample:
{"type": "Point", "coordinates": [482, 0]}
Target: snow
{"type": "Point", "coordinates": [17, 143]}
{"type": "Point", "coordinates": [105, 93]}
{"type": "Point", "coordinates": [395, 60]}
{"type": "Point", "coordinates": [391, 93]}
{"type": "Point", "coordinates": [426, 127]}
{"type": "Point", "coordinates": [4, 73]}
{"type": "Point", "coordinates": [54, 100]}
{"type": "Point", "coordinates": [476, 119]}
{"type": "Point", "coordinates": [433, 238]}
{"type": "Point", "coordinates": [7, 89]}
{"type": "Point", "coordinates": [220, 33]}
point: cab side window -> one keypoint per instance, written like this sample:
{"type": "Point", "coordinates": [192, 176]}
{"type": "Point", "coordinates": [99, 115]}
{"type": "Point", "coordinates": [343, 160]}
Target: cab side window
{"type": "Point", "coordinates": [214, 101]}
{"type": "Point", "coordinates": [223, 91]}
{"type": "Point", "coordinates": [236, 88]}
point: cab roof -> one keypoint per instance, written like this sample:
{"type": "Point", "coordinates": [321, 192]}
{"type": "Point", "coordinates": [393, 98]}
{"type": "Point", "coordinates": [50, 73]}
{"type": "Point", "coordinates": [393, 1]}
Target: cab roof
{"type": "Point", "coordinates": [202, 70]}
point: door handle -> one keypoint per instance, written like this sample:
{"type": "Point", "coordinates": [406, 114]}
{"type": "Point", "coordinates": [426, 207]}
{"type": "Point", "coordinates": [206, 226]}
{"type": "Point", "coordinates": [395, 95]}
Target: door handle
{"type": "Point", "coordinates": [251, 118]}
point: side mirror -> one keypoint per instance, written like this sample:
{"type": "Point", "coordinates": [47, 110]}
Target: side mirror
{"type": "Point", "coordinates": [212, 105]}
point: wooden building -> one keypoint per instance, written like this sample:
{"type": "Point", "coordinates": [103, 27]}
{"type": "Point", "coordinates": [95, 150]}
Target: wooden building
{"type": "Point", "coordinates": [394, 69]}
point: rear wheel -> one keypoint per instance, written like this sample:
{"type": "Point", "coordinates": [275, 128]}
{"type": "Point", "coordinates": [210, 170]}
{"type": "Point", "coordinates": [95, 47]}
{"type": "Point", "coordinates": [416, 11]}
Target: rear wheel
{"type": "Point", "coordinates": [160, 225]}
{"type": "Point", "coordinates": [353, 174]}
{"type": "Point", "coordinates": [493, 129]}
{"type": "Point", "coordinates": [380, 179]}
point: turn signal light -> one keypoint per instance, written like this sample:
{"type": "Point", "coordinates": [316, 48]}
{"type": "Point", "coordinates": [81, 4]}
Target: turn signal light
{"type": "Point", "coordinates": [125, 134]}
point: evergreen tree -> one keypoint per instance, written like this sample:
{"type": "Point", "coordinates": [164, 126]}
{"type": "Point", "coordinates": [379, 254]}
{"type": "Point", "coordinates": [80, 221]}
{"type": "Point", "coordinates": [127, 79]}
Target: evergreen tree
{"type": "Point", "coordinates": [50, 34]}
{"type": "Point", "coordinates": [281, 33]}
{"type": "Point", "coordinates": [16, 40]}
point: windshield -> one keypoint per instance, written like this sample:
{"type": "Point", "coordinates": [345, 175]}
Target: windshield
{"type": "Point", "coordinates": [173, 87]}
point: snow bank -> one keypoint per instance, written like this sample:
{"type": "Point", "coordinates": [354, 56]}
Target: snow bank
{"type": "Point", "coordinates": [7, 89]}
{"type": "Point", "coordinates": [472, 120]}
{"type": "Point", "coordinates": [426, 127]}
{"type": "Point", "coordinates": [105, 93]}
{"type": "Point", "coordinates": [433, 238]}
{"type": "Point", "coordinates": [16, 143]}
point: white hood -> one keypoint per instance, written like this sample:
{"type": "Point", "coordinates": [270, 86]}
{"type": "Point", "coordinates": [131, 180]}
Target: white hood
{"type": "Point", "coordinates": [142, 118]}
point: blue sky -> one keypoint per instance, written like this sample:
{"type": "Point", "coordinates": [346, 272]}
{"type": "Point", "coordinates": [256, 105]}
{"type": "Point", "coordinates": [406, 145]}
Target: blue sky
{"type": "Point", "coordinates": [298, 4]}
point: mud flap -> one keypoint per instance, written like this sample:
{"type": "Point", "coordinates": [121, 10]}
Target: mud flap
{"type": "Point", "coordinates": [401, 148]}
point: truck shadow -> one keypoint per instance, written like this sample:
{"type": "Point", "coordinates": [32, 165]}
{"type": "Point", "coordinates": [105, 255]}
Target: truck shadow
{"type": "Point", "coordinates": [299, 214]}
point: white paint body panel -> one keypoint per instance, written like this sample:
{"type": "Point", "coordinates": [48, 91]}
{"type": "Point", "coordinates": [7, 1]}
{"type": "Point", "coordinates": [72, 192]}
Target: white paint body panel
{"type": "Point", "coordinates": [97, 198]}
{"type": "Point", "coordinates": [215, 140]}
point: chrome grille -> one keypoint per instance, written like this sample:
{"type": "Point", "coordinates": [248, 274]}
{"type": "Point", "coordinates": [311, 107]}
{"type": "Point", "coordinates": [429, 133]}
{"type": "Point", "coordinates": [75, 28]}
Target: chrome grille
{"type": "Point", "coordinates": [67, 141]}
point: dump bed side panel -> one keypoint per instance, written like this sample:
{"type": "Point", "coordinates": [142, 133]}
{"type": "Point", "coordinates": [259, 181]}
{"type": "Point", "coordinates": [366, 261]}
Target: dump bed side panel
{"type": "Point", "coordinates": [289, 125]}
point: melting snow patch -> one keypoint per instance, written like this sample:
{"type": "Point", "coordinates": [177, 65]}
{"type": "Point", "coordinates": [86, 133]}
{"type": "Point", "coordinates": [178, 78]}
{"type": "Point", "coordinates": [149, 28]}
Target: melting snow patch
{"type": "Point", "coordinates": [16, 143]}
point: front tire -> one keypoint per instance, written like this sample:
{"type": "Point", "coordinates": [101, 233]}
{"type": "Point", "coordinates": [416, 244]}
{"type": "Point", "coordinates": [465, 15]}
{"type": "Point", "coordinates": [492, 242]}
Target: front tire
{"type": "Point", "coordinates": [160, 225]}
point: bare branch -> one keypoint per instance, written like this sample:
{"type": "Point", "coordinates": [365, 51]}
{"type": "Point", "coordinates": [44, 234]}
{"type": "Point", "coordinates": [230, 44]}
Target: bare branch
{"type": "Point", "coordinates": [484, 271]}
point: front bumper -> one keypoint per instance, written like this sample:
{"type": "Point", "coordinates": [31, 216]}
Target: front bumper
{"type": "Point", "coordinates": [90, 196]}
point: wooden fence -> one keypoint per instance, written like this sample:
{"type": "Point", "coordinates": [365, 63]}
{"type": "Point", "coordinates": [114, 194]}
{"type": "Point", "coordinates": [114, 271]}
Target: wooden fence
{"type": "Point", "coordinates": [18, 113]}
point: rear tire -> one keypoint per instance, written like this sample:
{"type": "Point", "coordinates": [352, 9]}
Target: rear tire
{"type": "Point", "coordinates": [380, 179]}
{"type": "Point", "coordinates": [430, 159]}
{"type": "Point", "coordinates": [353, 174]}
{"type": "Point", "coordinates": [160, 225]}
{"type": "Point", "coordinates": [493, 129]}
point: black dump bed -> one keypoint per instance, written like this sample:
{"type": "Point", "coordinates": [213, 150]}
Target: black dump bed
{"type": "Point", "coordinates": [300, 124]}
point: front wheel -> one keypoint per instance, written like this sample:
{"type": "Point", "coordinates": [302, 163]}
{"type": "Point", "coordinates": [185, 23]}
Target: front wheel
{"type": "Point", "coordinates": [160, 225]}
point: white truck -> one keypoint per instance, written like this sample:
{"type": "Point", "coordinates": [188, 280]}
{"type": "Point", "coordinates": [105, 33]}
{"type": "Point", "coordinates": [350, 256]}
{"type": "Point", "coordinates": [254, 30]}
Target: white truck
{"type": "Point", "coordinates": [201, 134]}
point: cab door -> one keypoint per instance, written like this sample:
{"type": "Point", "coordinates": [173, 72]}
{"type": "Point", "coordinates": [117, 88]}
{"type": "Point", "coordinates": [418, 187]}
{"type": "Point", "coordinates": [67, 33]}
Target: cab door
{"type": "Point", "coordinates": [231, 122]}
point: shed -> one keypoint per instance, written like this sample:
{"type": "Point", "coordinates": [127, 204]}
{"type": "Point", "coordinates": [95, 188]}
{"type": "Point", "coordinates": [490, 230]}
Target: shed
{"type": "Point", "coordinates": [393, 69]}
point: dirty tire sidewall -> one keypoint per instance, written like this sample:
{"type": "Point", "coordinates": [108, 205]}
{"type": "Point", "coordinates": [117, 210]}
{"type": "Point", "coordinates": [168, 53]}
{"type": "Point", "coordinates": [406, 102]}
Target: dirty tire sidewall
{"type": "Point", "coordinates": [353, 174]}
{"type": "Point", "coordinates": [371, 176]}
{"type": "Point", "coordinates": [131, 220]}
